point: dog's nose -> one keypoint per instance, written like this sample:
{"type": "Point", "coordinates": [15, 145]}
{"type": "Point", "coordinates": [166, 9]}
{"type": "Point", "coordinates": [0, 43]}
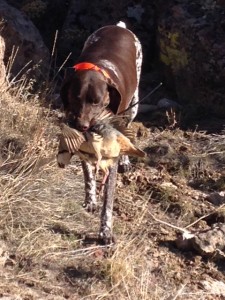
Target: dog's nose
{"type": "Point", "coordinates": [84, 128]}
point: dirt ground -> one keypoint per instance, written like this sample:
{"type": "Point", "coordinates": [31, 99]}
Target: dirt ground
{"type": "Point", "coordinates": [48, 242]}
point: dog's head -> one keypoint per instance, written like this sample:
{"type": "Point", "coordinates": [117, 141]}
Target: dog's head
{"type": "Point", "coordinates": [85, 95]}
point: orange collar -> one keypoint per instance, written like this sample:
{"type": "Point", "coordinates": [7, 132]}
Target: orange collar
{"type": "Point", "coordinates": [90, 66]}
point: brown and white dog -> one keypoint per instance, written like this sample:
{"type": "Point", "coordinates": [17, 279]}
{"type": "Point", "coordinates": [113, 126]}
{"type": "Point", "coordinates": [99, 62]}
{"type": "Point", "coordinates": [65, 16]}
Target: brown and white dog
{"type": "Point", "coordinates": [106, 75]}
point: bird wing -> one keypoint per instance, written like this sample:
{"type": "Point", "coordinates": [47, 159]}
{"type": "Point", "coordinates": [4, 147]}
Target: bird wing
{"type": "Point", "coordinates": [120, 124]}
{"type": "Point", "coordinates": [105, 114]}
{"type": "Point", "coordinates": [73, 138]}
{"type": "Point", "coordinates": [116, 121]}
{"type": "Point", "coordinates": [63, 156]}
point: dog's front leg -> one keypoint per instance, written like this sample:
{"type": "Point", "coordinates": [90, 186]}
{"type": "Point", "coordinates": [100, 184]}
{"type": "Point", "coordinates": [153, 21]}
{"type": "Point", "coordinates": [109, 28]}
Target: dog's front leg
{"type": "Point", "coordinates": [90, 202]}
{"type": "Point", "coordinates": [105, 233]}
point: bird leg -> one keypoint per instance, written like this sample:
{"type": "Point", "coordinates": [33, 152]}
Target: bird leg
{"type": "Point", "coordinates": [96, 140]}
{"type": "Point", "coordinates": [102, 184]}
{"type": "Point", "coordinates": [97, 167]}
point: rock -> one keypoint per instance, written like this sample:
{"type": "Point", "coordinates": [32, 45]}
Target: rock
{"type": "Point", "coordinates": [135, 12]}
{"type": "Point", "coordinates": [216, 198]}
{"type": "Point", "coordinates": [214, 287]}
{"type": "Point", "coordinates": [84, 17]}
{"type": "Point", "coordinates": [209, 242]}
{"type": "Point", "coordinates": [168, 104]}
{"type": "Point", "coordinates": [163, 103]}
{"type": "Point", "coordinates": [168, 185]}
{"type": "Point", "coordinates": [23, 42]}
{"type": "Point", "coordinates": [192, 52]}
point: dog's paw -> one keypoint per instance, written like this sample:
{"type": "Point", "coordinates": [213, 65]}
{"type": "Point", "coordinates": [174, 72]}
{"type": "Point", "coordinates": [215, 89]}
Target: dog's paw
{"type": "Point", "coordinates": [60, 165]}
{"type": "Point", "coordinates": [106, 237]}
{"type": "Point", "coordinates": [90, 206]}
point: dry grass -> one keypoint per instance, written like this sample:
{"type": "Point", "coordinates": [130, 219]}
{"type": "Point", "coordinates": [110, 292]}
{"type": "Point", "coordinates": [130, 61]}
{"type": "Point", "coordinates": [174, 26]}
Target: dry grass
{"type": "Point", "coordinates": [45, 252]}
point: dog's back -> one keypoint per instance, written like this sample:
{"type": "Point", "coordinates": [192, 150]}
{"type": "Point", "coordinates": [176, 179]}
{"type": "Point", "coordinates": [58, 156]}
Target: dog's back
{"type": "Point", "coordinates": [114, 49]}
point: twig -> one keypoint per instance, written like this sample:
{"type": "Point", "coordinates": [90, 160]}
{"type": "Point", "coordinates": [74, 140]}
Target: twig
{"type": "Point", "coordinates": [179, 292]}
{"type": "Point", "coordinates": [141, 100]}
{"type": "Point", "coordinates": [207, 154]}
{"type": "Point", "coordinates": [187, 233]}
{"type": "Point", "coordinates": [84, 250]}
{"type": "Point", "coordinates": [170, 225]}
{"type": "Point", "coordinates": [54, 43]}
{"type": "Point", "coordinates": [62, 65]}
{"type": "Point", "coordinates": [205, 216]}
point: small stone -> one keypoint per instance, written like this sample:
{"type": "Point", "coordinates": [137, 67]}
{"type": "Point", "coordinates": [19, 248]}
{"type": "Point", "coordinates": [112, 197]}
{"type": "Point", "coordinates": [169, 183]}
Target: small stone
{"type": "Point", "coordinates": [216, 198]}
{"type": "Point", "coordinates": [215, 287]}
{"type": "Point", "coordinates": [169, 185]}
{"type": "Point", "coordinates": [167, 103]}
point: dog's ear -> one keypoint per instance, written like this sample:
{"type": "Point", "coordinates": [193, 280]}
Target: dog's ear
{"type": "Point", "coordinates": [69, 72]}
{"type": "Point", "coordinates": [114, 96]}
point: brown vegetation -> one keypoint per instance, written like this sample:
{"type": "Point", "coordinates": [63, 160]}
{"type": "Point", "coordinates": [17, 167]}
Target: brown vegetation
{"type": "Point", "coordinates": [48, 248]}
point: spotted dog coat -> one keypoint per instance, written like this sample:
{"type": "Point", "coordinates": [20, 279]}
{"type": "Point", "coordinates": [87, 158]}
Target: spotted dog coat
{"type": "Point", "coordinates": [112, 83]}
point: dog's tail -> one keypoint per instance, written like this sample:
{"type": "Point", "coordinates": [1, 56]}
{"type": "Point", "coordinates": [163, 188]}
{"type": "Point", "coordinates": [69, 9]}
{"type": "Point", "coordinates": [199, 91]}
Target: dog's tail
{"type": "Point", "coordinates": [121, 24]}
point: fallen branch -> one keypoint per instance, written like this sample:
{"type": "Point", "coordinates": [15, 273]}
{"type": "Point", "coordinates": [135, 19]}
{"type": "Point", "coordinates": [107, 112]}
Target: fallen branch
{"type": "Point", "coordinates": [186, 233]}
{"type": "Point", "coordinates": [83, 251]}
{"type": "Point", "coordinates": [205, 216]}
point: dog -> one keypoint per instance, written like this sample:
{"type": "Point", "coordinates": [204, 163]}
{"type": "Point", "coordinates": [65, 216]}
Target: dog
{"type": "Point", "coordinates": [105, 76]}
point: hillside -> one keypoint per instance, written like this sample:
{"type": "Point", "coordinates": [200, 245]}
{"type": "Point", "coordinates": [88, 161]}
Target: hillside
{"type": "Point", "coordinates": [48, 246]}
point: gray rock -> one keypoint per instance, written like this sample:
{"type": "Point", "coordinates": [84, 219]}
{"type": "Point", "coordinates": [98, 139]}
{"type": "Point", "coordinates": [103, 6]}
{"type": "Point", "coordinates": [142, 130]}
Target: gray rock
{"type": "Point", "coordinates": [209, 242]}
{"type": "Point", "coordinates": [192, 51]}
{"type": "Point", "coordinates": [19, 33]}
{"type": "Point", "coordinates": [213, 286]}
{"type": "Point", "coordinates": [216, 198]}
{"type": "Point", "coordinates": [84, 17]}
{"type": "Point", "coordinates": [168, 104]}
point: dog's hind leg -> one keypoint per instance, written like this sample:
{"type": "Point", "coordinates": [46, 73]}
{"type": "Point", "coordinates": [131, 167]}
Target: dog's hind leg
{"type": "Point", "coordinates": [124, 162]}
{"type": "Point", "coordinates": [139, 57]}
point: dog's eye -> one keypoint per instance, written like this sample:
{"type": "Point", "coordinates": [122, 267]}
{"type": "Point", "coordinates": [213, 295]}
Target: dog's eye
{"type": "Point", "coordinates": [95, 102]}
